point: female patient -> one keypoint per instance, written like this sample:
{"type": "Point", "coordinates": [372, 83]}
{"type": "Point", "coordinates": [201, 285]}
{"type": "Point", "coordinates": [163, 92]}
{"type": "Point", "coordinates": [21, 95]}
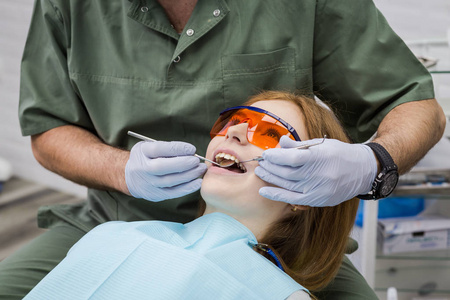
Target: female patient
{"type": "Point", "coordinates": [243, 246]}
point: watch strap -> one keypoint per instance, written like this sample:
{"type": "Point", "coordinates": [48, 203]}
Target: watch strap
{"type": "Point", "coordinates": [383, 156]}
{"type": "Point", "coordinates": [387, 165]}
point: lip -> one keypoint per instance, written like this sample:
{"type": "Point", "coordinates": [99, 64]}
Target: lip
{"type": "Point", "coordinates": [224, 171]}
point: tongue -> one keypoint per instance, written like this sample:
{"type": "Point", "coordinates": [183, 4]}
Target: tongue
{"type": "Point", "coordinates": [226, 162]}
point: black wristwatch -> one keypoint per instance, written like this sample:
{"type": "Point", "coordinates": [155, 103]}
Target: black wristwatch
{"type": "Point", "coordinates": [387, 179]}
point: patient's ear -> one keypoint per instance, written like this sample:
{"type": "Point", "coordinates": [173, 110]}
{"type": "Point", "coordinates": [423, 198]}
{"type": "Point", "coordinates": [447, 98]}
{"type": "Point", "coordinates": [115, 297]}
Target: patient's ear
{"type": "Point", "coordinates": [296, 208]}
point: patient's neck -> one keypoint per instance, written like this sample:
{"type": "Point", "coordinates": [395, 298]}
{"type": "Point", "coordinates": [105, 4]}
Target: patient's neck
{"type": "Point", "coordinates": [256, 225]}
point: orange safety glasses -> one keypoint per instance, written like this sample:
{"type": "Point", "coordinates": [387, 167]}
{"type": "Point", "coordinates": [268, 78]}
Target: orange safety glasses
{"type": "Point", "coordinates": [264, 128]}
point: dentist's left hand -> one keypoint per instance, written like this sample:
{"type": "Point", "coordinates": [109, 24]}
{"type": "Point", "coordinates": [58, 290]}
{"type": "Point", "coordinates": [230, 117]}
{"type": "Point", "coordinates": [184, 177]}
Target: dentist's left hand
{"type": "Point", "coordinates": [158, 171]}
{"type": "Point", "coordinates": [323, 175]}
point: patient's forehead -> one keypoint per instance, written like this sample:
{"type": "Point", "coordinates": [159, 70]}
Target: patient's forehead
{"type": "Point", "coordinates": [288, 111]}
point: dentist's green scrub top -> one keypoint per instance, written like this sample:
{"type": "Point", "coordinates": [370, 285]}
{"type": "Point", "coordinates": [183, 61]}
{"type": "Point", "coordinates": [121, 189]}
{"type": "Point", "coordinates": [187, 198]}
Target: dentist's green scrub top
{"type": "Point", "coordinates": [113, 66]}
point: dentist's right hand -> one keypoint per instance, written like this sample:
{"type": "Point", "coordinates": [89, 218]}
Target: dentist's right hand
{"type": "Point", "coordinates": [158, 171]}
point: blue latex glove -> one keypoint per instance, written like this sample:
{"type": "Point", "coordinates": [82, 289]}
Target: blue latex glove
{"type": "Point", "coordinates": [158, 171]}
{"type": "Point", "coordinates": [323, 175]}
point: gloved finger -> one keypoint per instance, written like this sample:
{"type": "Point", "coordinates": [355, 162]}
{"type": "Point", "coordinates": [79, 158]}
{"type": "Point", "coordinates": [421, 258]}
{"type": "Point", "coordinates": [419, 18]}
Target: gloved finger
{"type": "Point", "coordinates": [181, 190]}
{"type": "Point", "coordinates": [287, 157]}
{"type": "Point", "coordinates": [174, 192]}
{"type": "Point", "coordinates": [279, 194]}
{"type": "Point", "coordinates": [286, 142]}
{"type": "Point", "coordinates": [278, 181]}
{"type": "Point", "coordinates": [172, 180]}
{"type": "Point", "coordinates": [286, 172]}
{"type": "Point", "coordinates": [295, 198]}
{"type": "Point", "coordinates": [314, 199]}
{"type": "Point", "coordinates": [163, 166]}
{"type": "Point", "coordinates": [167, 149]}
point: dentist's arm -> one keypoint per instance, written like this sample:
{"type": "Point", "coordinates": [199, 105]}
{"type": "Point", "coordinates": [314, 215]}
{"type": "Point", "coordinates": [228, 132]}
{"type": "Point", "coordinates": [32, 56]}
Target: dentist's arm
{"type": "Point", "coordinates": [410, 130]}
{"type": "Point", "coordinates": [333, 172]}
{"type": "Point", "coordinates": [153, 171]}
{"type": "Point", "coordinates": [80, 156]}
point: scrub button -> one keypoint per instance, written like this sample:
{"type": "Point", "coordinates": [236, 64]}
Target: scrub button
{"type": "Point", "coordinates": [190, 32]}
{"type": "Point", "coordinates": [216, 13]}
{"type": "Point", "coordinates": [144, 9]}
{"type": "Point", "coordinates": [177, 59]}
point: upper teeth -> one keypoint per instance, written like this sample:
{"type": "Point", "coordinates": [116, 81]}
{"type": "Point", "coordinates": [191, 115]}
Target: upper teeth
{"type": "Point", "coordinates": [225, 156]}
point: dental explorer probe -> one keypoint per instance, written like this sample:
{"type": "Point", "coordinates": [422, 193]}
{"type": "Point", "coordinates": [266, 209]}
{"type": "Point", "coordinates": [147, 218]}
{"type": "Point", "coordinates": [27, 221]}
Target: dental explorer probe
{"type": "Point", "coordinates": [145, 138]}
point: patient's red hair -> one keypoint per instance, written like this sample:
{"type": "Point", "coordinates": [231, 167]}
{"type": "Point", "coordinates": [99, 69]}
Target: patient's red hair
{"type": "Point", "coordinates": [312, 242]}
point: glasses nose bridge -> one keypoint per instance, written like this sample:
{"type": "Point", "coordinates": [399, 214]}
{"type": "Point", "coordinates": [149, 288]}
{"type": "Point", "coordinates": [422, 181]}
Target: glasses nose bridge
{"type": "Point", "coordinates": [245, 120]}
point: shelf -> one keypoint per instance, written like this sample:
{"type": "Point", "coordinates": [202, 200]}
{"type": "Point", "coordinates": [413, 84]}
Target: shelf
{"type": "Point", "coordinates": [425, 182]}
{"type": "Point", "coordinates": [429, 278]}
{"type": "Point", "coordinates": [440, 255]}
{"type": "Point", "coordinates": [435, 50]}
{"type": "Point", "coordinates": [442, 67]}
{"type": "Point", "coordinates": [439, 72]}
{"type": "Point", "coordinates": [442, 191]}
{"type": "Point", "coordinates": [428, 172]}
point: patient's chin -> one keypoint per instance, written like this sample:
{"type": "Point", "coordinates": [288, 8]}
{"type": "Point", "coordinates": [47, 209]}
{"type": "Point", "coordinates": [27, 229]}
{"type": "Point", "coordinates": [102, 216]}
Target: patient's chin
{"type": "Point", "coordinates": [214, 187]}
{"type": "Point", "coordinates": [213, 194]}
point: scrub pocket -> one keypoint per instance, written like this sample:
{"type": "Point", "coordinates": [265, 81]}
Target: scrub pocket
{"type": "Point", "coordinates": [247, 74]}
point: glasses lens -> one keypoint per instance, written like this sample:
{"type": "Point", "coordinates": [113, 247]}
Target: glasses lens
{"type": "Point", "coordinates": [222, 124]}
{"type": "Point", "coordinates": [263, 130]}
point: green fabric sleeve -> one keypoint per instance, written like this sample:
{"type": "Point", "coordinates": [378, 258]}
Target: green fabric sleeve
{"type": "Point", "coordinates": [362, 68]}
{"type": "Point", "coordinates": [348, 284]}
{"type": "Point", "coordinates": [47, 97]}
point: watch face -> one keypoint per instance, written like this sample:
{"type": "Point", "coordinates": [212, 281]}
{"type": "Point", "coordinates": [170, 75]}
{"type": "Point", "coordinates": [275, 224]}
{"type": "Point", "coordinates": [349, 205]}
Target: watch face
{"type": "Point", "coordinates": [389, 183]}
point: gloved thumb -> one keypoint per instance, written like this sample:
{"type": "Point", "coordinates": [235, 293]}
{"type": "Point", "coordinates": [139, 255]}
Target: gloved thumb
{"type": "Point", "coordinates": [166, 149]}
{"type": "Point", "coordinates": [286, 142]}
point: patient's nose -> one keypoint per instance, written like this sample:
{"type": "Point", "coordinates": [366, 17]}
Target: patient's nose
{"type": "Point", "coordinates": [238, 132]}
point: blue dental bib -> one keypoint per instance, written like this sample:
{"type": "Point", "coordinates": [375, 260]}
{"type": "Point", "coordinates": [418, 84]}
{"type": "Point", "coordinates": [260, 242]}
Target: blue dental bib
{"type": "Point", "coordinates": [208, 258]}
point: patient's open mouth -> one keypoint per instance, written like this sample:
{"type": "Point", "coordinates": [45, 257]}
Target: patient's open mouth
{"type": "Point", "coordinates": [225, 159]}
